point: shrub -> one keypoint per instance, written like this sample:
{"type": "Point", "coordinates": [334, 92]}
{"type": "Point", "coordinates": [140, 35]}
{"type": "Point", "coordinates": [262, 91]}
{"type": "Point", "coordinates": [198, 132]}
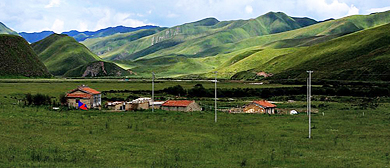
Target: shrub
{"type": "Point", "coordinates": [38, 99]}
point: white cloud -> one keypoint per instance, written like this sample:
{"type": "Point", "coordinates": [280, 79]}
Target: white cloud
{"type": "Point", "coordinates": [248, 9]}
{"type": "Point", "coordinates": [334, 9]}
{"type": "Point", "coordinates": [58, 26]}
{"type": "Point", "coordinates": [109, 18]}
{"type": "Point", "coordinates": [353, 11]}
{"type": "Point", "coordinates": [373, 10]}
{"type": "Point", "coordinates": [53, 3]}
{"type": "Point", "coordinates": [172, 15]}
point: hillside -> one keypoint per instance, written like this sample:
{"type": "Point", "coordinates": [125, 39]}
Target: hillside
{"type": "Point", "coordinates": [61, 53]}
{"type": "Point", "coordinates": [363, 55]}
{"type": "Point", "coordinates": [34, 37]}
{"type": "Point", "coordinates": [17, 58]}
{"type": "Point", "coordinates": [5, 30]}
{"type": "Point", "coordinates": [226, 58]}
{"type": "Point", "coordinates": [202, 38]}
{"type": "Point", "coordinates": [103, 45]}
{"type": "Point", "coordinates": [97, 69]}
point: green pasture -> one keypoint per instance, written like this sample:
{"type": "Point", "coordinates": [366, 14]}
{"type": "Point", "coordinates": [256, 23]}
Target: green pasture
{"type": "Point", "coordinates": [344, 135]}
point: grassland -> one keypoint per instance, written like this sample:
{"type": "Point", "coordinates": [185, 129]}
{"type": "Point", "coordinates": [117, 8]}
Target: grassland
{"type": "Point", "coordinates": [345, 136]}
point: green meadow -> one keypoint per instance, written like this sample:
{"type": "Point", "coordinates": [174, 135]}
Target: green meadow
{"type": "Point", "coordinates": [344, 134]}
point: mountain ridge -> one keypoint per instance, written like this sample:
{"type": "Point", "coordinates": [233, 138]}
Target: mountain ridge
{"type": "Point", "coordinates": [83, 35]}
{"type": "Point", "coordinates": [17, 58]}
{"type": "Point", "coordinates": [61, 53]}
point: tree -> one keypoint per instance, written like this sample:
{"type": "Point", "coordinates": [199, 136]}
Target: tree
{"type": "Point", "coordinates": [63, 99]}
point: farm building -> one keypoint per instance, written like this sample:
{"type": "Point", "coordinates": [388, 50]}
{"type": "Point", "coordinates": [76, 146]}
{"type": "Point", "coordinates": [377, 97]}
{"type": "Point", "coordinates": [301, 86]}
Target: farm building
{"type": "Point", "coordinates": [181, 105]}
{"type": "Point", "coordinates": [157, 104]}
{"type": "Point", "coordinates": [117, 105]}
{"type": "Point", "coordinates": [138, 104]}
{"type": "Point", "coordinates": [90, 97]}
{"type": "Point", "coordinates": [261, 106]}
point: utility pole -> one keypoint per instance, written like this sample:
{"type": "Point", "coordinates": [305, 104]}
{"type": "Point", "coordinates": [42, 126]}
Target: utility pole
{"type": "Point", "coordinates": [309, 100]}
{"type": "Point", "coordinates": [153, 91]}
{"type": "Point", "coordinates": [307, 96]}
{"type": "Point", "coordinates": [215, 96]}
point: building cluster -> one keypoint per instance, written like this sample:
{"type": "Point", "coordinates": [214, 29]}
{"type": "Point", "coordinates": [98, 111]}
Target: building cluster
{"type": "Point", "coordinates": [84, 96]}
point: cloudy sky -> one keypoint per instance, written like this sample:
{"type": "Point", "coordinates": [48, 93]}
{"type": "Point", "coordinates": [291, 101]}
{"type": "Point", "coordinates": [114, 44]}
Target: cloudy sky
{"type": "Point", "coordinates": [82, 15]}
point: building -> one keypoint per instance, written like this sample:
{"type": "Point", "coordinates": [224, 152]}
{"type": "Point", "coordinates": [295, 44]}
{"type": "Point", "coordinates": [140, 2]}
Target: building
{"type": "Point", "coordinates": [262, 107]}
{"type": "Point", "coordinates": [157, 104]}
{"type": "Point", "coordinates": [138, 104]}
{"type": "Point", "coordinates": [91, 97]}
{"type": "Point", "coordinates": [181, 105]}
{"type": "Point", "coordinates": [117, 105]}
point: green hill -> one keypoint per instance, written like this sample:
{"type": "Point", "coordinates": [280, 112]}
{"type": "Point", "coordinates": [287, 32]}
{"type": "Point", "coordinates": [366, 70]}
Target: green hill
{"type": "Point", "coordinates": [198, 38]}
{"type": "Point", "coordinates": [101, 46]}
{"type": "Point", "coordinates": [364, 55]}
{"type": "Point", "coordinates": [97, 69]}
{"type": "Point", "coordinates": [5, 30]}
{"type": "Point", "coordinates": [17, 58]}
{"type": "Point", "coordinates": [230, 47]}
{"type": "Point", "coordinates": [61, 53]}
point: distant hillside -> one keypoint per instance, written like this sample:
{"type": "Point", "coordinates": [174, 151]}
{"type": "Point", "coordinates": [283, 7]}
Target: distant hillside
{"type": "Point", "coordinates": [116, 42]}
{"type": "Point", "coordinates": [364, 55]}
{"type": "Point", "coordinates": [5, 30]}
{"type": "Point", "coordinates": [203, 38]}
{"type": "Point", "coordinates": [81, 36]}
{"type": "Point", "coordinates": [97, 69]}
{"type": "Point", "coordinates": [34, 37]}
{"type": "Point", "coordinates": [17, 58]}
{"type": "Point", "coordinates": [61, 53]}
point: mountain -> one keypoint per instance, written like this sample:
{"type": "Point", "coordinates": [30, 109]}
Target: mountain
{"type": "Point", "coordinates": [61, 53]}
{"type": "Point", "coordinates": [97, 69]}
{"type": "Point", "coordinates": [364, 55]}
{"type": "Point", "coordinates": [230, 47]}
{"type": "Point", "coordinates": [34, 37]}
{"type": "Point", "coordinates": [81, 36]}
{"type": "Point", "coordinates": [202, 38]}
{"type": "Point", "coordinates": [5, 30]}
{"type": "Point", "coordinates": [103, 45]}
{"type": "Point", "coordinates": [17, 58]}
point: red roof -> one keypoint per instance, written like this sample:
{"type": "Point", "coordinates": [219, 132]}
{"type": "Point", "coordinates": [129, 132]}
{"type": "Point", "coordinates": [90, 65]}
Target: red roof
{"type": "Point", "coordinates": [264, 103]}
{"type": "Point", "coordinates": [177, 103]}
{"type": "Point", "coordinates": [85, 89]}
{"type": "Point", "coordinates": [74, 95]}
{"type": "Point", "coordinates": [89, 90]}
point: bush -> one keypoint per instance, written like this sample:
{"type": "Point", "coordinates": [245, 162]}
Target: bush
{"type": "Point", "coordinates": [38, 99]}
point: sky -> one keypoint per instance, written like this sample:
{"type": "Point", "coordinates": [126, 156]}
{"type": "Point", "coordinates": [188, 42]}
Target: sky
{"type": "Point", "coordinates": [92, 15]}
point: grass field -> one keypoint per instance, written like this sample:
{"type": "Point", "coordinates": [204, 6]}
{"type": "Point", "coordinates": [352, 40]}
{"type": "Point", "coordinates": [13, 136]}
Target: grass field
{"type": "Point", "coordinates": [345, 136]}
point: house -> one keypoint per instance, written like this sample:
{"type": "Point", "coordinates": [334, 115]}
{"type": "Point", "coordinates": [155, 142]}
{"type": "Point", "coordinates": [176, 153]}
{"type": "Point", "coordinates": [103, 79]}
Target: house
{"type": "Point", "coordinates": [138, 104]}
{"type": "Point", "coordinates": [90, 97]}
{"type": "Point", "coordinates": [181, 105]}
{"type": "Point", "coordinates": [117, 105]}
{"type": "Point", "coordinates": [261, 106]}
{"type": "Point", "coordinates": [157, 104]}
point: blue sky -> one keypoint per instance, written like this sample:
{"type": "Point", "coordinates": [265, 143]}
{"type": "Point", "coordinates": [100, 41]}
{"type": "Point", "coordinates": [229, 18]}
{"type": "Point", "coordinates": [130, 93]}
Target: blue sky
{"type": "Point", "coordinates": [82, 15]}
